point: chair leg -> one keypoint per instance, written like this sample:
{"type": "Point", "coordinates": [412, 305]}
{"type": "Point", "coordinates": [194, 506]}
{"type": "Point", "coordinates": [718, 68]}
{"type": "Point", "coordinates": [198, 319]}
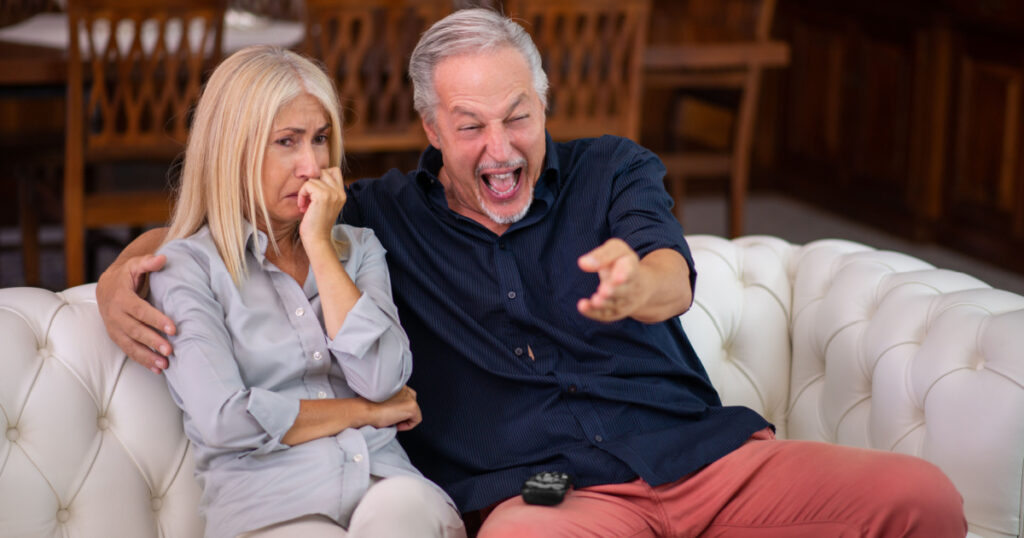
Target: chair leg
{"type": "Point", "coordinates": [741, 152]}
{"type": "Point", "coordinates": [28, 220]}
{"type": "Point", "coordinates": [674, 141]}
{"type": "Point", "coordinates": [74, 229]}
{"type": "Point", "coordinates": [677, 190]}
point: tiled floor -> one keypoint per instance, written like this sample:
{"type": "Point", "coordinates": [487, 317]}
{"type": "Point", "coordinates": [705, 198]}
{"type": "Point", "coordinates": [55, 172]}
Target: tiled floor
{"type": "Point", "coordinates": [766, 214]}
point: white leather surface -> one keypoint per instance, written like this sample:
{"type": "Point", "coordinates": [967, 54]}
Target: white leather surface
{"type": "Point", "coordinates": [832, 341]}
{"type": "Point", "coordinates": [92, 446]}
{"type": "Point", "coordinates": [879, 350]}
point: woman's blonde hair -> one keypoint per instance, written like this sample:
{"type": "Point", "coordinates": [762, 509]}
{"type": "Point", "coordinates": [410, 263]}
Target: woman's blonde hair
{"type": "Point", "coordinates": [222, 174]}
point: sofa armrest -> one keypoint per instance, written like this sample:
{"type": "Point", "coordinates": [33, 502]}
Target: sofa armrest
{"type": "Point", "coordinates": [881, 350]}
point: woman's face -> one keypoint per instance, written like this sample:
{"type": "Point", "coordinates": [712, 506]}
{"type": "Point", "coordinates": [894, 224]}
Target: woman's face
{"type": "Point", "coordinates": [298, 148]}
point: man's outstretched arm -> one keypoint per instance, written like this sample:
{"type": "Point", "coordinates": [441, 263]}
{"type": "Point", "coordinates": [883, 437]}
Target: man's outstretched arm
{"type": "Point", "coordinates": [650, 290]}
{"type": "Point", "coordinates": [132, 323]}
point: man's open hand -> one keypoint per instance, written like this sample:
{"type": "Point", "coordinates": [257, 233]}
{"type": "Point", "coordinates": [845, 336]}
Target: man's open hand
{"type": "Point", "coordinates": [132, 323]}
{"type": "Point", "coordinates": [622, 289]}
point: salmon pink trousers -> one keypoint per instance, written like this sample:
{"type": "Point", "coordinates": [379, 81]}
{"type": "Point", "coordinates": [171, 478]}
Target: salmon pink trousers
{"type": "Point", "coordinates": [767, 488]}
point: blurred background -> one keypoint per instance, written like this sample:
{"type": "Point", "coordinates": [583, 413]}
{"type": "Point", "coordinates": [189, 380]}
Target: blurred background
{"type": "Point", "coordinates": [895, 123]}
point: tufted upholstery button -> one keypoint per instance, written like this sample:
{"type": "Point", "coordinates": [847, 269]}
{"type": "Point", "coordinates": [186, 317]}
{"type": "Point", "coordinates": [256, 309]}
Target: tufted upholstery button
{"type": "Point", "coordinates": [63, 516]}
{"type": "Point", "coordinates": [102, 423]}
{"type": "Point", "coordinates": [157, 504]}
{"type": "Point", "coordinates": [12, 434]}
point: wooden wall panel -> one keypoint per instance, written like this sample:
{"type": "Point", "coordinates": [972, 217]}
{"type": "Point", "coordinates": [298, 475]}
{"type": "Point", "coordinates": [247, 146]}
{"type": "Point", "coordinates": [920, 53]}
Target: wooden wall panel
{"type": "Point", "coordinates": [909, 116]}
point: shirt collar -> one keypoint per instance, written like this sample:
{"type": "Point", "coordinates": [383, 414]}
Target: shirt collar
{"type": "Point", "coordinates": [255, 240]}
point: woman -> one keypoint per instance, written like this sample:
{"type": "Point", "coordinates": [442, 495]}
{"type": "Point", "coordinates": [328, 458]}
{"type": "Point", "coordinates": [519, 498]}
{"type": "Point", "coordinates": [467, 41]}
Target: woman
{"type": "Point", "coordinates": [289, 360]}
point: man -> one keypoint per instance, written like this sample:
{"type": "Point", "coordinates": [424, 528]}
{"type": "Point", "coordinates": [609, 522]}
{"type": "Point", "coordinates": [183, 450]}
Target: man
{"type": "Point", "coordinates": [540, 285]}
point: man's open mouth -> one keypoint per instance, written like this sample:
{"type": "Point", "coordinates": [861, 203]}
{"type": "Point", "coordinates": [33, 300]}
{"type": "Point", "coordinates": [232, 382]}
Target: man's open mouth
{"type": "Point", "coordinates": [504, 184]}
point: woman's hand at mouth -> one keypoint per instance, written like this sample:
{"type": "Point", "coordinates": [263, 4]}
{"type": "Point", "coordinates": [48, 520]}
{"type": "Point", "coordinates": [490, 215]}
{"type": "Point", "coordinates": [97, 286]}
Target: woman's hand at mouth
{"type": "Point", "coordinates": [320, 200]}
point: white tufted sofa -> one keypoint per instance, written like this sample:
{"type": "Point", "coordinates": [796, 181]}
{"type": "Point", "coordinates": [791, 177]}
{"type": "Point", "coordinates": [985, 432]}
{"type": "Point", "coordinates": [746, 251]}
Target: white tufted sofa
{"type": "Point", "coordinates": [832, 341]}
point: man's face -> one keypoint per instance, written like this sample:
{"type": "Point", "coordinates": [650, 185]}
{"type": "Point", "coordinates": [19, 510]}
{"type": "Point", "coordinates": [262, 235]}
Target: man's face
{"type": "Point", "coordinates": [489, 126]}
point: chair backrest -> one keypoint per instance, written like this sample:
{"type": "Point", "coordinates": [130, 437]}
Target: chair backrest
{"type": "Point", "coordinates": [711, 21]}
{"type": "Point", "coordinates": [365, 45]}
{"type": "Point", "coordinates": [592, 52]}
{"type": "Point", "coordinates": [146, 60]}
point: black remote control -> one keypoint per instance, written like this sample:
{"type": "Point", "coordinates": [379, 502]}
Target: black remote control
{"type": "Point", "coordinates": [546, 488]}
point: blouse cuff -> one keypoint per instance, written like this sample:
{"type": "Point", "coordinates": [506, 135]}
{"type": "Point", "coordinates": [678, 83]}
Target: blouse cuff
{"type": "Point", "coordinates": [363, 327]}
{"type": "Point", "coordinates": [275, 413]}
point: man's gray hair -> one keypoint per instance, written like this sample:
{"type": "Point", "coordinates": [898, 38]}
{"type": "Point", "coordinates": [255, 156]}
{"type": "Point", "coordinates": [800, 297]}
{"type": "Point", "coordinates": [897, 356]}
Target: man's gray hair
{"type": "Point", "coordinates": [464, 32]}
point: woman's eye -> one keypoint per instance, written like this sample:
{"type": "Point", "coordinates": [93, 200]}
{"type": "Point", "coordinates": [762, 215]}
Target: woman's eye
{"type": "Point", "coordinates": [286, 142]}
{"type": "Point", "coordinates": [320, 139]}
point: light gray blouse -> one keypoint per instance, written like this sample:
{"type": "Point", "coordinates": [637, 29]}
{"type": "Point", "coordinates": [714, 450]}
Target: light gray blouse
{"type": "Point", "coordinates": [244, 357]}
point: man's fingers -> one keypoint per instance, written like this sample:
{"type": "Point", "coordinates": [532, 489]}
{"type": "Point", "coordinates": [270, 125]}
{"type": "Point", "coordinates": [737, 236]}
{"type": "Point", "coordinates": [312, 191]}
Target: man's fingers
{"type": "Point", "coordinates": [597, 313]}
{"type": "Point", "coordinates": [143, 355]}
{"type": "Point", "coordinates": [603, 255]}
{"type": "Point", "coordinates": [148, 338]}
{"type": "Point", "coordinates": [147, 315]}
{"type": "Point", "coordinates": [150, 263]}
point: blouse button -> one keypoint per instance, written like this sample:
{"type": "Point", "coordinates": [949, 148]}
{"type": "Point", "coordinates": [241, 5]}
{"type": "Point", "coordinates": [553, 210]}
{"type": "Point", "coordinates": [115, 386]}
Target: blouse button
{"type": "Point", "coordinates": [321, 395]}
{"type": "Point", "coordinates": [357, 458]}
{"type": "Point", "coordinates": [299, 311]}
{"type": "Point", "coordinates": [317, 356]}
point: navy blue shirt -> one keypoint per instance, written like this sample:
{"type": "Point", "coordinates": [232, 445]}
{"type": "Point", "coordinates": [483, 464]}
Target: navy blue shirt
{"type": "Point", "coordinates": [604, 402]}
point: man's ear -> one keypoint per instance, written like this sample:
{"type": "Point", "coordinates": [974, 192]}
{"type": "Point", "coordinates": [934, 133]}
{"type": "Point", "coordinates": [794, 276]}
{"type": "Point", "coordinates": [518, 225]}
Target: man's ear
{"type": "Point", "coordinates": [431, 134]}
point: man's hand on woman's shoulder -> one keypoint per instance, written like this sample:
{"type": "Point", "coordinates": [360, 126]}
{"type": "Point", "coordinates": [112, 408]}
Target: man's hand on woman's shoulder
{"type": "Point", "coordinates": [132, 323]}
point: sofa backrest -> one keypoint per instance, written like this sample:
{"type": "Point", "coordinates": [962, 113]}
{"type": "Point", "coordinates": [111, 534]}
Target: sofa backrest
{"type": "Point", "coordinates": [834, 341]}
{"type": "Point", "coordinates": [91, 445]}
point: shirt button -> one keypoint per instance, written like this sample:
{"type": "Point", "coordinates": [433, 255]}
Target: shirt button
{"type": "Point", "coordinates": [299, 311]}
{"type": "Point", "coordinates": [321, 395]}
{"type": "Point", "coordinates": [598, 438]}
{"type": "Point", "coordinates": [357, 458]}
{"type": "Point", "coordinates": [572, 389]}
{"type": "Point", "coordinates": [317, 356]}
{"type": "Point", "coordinates": [511, 295]}
{"type": "Point", "coordinates": [501, 245]}
{"type": "Point", "coordinates": [519, 352]}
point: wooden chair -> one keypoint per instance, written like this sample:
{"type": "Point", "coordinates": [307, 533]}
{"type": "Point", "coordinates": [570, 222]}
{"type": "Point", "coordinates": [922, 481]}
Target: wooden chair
{"type": "Point", "coordinates": [717, 45]}
{"type": "Point", "coordinates": [592, 52]}
{"type": "Point", "coordinates": [31, 157]}
{"type": "Point", "coordinates": [130, 93]}
{"type": "Point", "coordinates": [365, 45]}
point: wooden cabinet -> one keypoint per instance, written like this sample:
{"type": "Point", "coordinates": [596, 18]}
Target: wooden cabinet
{"type": "Point", "coordinates": [983, 189]}
{"type": "Point", "coordinates": [909, 116]}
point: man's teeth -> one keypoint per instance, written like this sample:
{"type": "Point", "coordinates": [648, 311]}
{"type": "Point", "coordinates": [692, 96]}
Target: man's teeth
{"type": "Point", "coordinates": [502, 184]}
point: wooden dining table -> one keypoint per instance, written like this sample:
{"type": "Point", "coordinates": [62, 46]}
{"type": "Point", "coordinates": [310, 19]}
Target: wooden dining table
{"type": "Point", "coordinates": [34, 51]}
